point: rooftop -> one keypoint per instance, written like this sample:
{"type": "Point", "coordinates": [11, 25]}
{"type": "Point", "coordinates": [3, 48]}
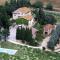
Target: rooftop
{"type": "Point", "coordinates": [27, 17]}
{"type": "Point", "coordinates": [23, 10]}
{"type": "Point", "coordinates": [48, 26]}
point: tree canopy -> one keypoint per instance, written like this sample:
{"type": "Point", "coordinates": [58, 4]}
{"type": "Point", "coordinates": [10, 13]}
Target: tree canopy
{"type": "Point", "coordinates": [38, 4]}
{"type": "Point", "coordinates": [49, 6]}
{"type": "Point", "coordinates": [22, 21]}
{"type": "Point", "coordinates": [23, 3]}
{"type": "Point", "coordinates": [54, 38]}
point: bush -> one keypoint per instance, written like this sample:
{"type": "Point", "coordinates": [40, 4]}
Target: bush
{"type": "Point", "coordinates": [25, 35]}
{"type": "Point", "coordinates": [39, 33]}
{"type": "Point", "coordinates": [38, 4]}
{"type": "Point", "coordinates": [49, 6]}
{"type": "Point", "coordinates": [22, 21]}
{"type": "Point", "coordinates": [50, 19]}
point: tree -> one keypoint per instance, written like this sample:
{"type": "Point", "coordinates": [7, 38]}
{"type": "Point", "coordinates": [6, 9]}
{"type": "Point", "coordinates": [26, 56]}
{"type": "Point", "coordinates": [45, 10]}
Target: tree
{"type": "Point", "coordinates": [10, 7]}
{"type": "Point", "coordinates": [38, 4]}
{"type": "Point", "coordinates": [54, 38]}
{"type": "Point", "coordinates": [5, 33]}
{"type": "Point", "coordinates": [40, 16]}
{"type": "Point", "coordinates": [39, 33]}
{"type": "Point", "coordinates": [24, 34]}
{"type": "Point", "coordinates": [5, 21]}
{"type": "Point", "coordinates": [2, 10]}
{"type": "Point", "coordinates": [18, 33]}
{"type": "Point", "coordinates": [29, 35]}
{"type": "Point", "coordinates": [23, 3]}
{"type": "Point", "coordinates": [44, 19]}
{"type": "Point", "coordinates": [49, 6]}
{"type": "Point", "coordinates": [50, 19]}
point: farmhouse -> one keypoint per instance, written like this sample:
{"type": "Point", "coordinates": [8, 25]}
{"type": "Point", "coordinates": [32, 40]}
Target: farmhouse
{"type": "Point", "coordinates": [24, 12]}
{"type": "Point", "coordinates": [48, 29]}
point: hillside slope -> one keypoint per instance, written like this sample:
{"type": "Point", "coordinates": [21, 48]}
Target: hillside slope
{"type": "Point", "coordinates": [2, 2]}
{"type": "Point", "coordinates": [56, 3]}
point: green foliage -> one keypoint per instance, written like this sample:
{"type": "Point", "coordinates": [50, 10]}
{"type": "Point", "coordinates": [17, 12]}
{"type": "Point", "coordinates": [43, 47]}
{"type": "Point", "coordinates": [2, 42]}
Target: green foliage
{"type": "Point", "coordinates": [4, 18]}
{"type": "Point", "coordinates": [13, 5]}
{"type": "Point", "coordinates": [29, 35]}
{"type": "Point", "coordinates": [5, 33]}
{"type": "Point", "coordinates": [22, 21]}
{"type": "Point", "coordinates": [38, 4]}
{"type": "Point", "coordinates": [49, 6]}
{"type": "Point", "coordinates": [27, 53]}
{"type": "Point", "coordinates": [2, 10]}
{"type": "Point", "coordinates": [39, 34]}
{"type": "Point", "coordinates": [5, 22]}
{"type": "Point", "coordinates": [50, 19]}
{"type": "Point", "coordinates": [23, 3]}
{"type": "Point", "coordinates": [43, 18]}
{"type": "Point", "coordinates": [25, 35]}
{"type": "Point", "coordinates": [56, 15]}
{"type": "Point", "coordinates": [10, 7]}
{"type": "Point", "coordinates": [40, 16]}
{"type": "Point", "coordinates": [18, 33]}
{"type": "Point", "coordinates": [54, 38]}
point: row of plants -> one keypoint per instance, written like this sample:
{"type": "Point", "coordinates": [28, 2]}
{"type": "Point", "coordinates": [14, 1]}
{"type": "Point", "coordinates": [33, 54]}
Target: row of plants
{"type": "Point", "coordinates": [54, 38]}
{"type": "Point", "coordinates": [25, 35]}
{"type": "Point", "coordinates": [27, 53]}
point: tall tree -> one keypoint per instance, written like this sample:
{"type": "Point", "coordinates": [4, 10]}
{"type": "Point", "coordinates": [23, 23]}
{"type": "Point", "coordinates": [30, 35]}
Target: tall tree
{"type": "Point", "coordinates": [49, 6]}
{"type": "Point", "coordinates": [22, 3]}
{"type": "Point", "coordinates": [10, 7]}
{"type": "Point", "coordinates": [5, 21]}
{"type": "Point", "coordinates": [38, 4]}
{"type": "Point", "coordinates": [54, 38]}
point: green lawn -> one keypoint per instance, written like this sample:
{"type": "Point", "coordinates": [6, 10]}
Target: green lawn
{"type": "Point", "coordinates": [25, 53]}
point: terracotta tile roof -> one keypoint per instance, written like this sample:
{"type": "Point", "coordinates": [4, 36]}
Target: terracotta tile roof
{"type": "Point", "coordinates": [27, 17]}
{"type": "Point", "coordinates": [48, 27]}
{"type": "Point", "coordinates": [23, 10]}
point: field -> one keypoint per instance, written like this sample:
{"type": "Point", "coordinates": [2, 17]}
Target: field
{"type": "Point", "coordinates": [25, 53]}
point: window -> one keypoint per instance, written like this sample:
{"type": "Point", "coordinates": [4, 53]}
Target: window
{"type": "Point", "coordinates": [46, 33]}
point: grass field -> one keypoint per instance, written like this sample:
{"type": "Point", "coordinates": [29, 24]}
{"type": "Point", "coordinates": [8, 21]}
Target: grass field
{"type": "Point", "coordinates": [25, 53]}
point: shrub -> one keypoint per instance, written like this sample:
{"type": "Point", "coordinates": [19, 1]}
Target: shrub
{"type": "Point", "coordinates": [50, 19]}
{"type": "Point", "coordinates": [22, 21]}
{"type": "Point", "coordinates": [38, 4]}
{"type": "Point", "coordinates": [49, 6]}
{"type": "Point", "coordinates": [39, 33]}
{"type": "Point", "coordinates": [25, 35]}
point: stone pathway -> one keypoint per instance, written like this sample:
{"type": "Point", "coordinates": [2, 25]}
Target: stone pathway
{"type": "Point", "coordinates": [12, 35]}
